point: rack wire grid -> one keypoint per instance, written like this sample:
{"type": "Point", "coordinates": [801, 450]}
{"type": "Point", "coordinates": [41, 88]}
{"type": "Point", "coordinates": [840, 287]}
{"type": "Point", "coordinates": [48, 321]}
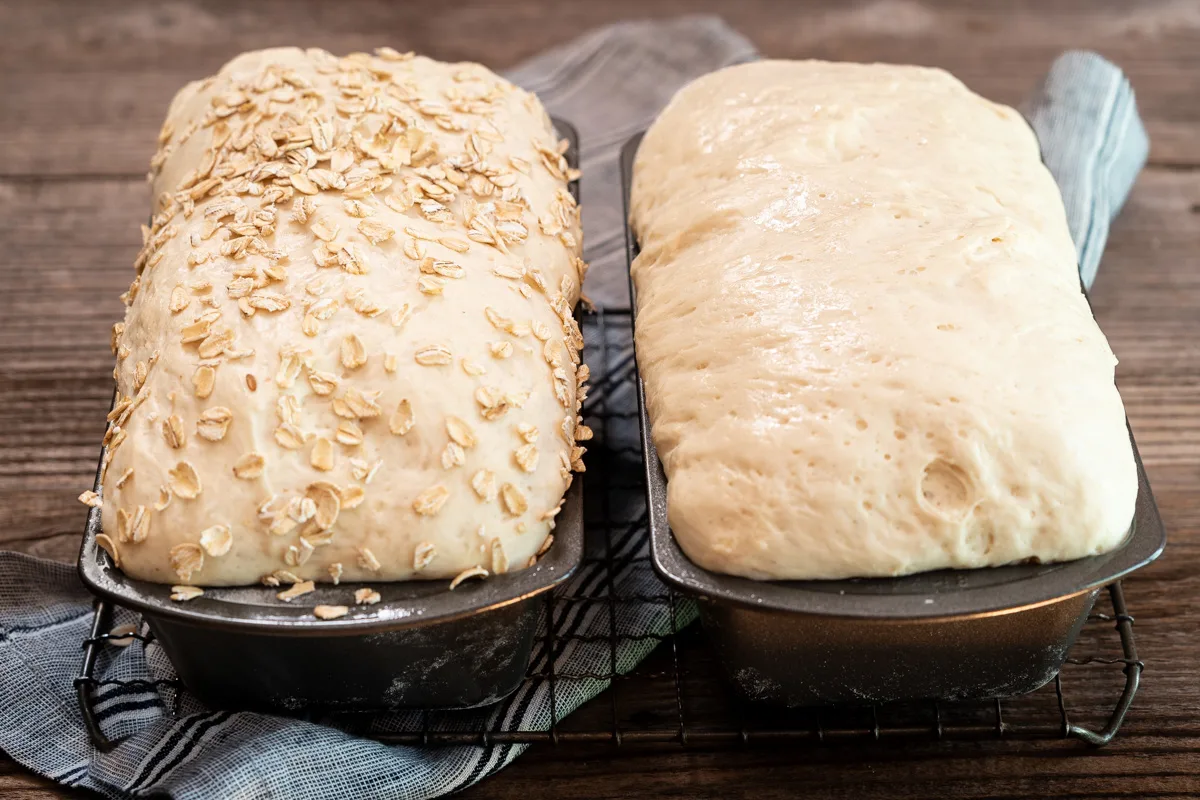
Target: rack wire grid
{"type": "Point", "coordinates": [677, 694]}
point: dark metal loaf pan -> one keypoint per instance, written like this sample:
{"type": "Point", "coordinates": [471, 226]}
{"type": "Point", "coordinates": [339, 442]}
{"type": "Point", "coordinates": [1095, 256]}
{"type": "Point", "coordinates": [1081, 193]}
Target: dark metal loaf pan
{"type": "Point", "coordinates": [421, 646]}
{"type": "Point", "coordinates": [949, 635]}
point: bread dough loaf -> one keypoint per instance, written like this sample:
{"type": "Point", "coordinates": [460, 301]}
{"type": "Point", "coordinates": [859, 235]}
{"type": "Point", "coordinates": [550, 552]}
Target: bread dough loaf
{"type": "Point", "coordinates": [350, 350]}
{"type": "Point", "coordinates": [861, 330]}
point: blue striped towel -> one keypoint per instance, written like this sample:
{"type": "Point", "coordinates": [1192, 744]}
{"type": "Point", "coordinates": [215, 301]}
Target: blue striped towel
{"type": "Point", "coordinates": [611, 84]}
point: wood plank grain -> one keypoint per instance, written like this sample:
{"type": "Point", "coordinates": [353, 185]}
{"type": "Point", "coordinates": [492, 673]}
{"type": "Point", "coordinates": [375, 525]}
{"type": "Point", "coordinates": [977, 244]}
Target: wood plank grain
{"type": "Point", "coordinates": [17, 783]}
{"type": "Point", "coordinates": [89, 97]}
{"type": "Point", "coordinates": [1016, 772]}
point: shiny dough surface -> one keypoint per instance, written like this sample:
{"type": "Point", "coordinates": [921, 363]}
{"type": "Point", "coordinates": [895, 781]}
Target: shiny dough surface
{"type": "Point", "coordinates": [864, 343]}
{"type": "Point", "coordinates": [349, 353]}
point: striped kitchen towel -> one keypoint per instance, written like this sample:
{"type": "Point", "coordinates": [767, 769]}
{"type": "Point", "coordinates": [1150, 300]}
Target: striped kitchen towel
{"type": "Point", "coordinates": [1094, 144]}
{"type": "Point", "coordinates": [610, 84]}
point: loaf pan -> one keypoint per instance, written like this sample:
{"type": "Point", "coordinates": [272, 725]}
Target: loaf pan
{"type": "Point", "coordinates": [946, 635]}
{"type": "Point", "coordinates": [421, 646]}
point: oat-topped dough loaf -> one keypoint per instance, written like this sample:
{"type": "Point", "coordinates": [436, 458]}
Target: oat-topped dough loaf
{"type": "Point", "coordinates": [860, 325]}
{"type": "Point", "coordinates": [349, 351]}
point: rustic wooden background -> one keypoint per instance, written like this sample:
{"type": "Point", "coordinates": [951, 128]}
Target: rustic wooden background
{"type": "Point", "coordinates": [83, 88]}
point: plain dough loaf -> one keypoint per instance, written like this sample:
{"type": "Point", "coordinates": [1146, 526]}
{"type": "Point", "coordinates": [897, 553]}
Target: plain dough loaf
{"type": "Point", "coordinates": [860, 325]}
{"type": "Point", "coordinates": [350, 351]}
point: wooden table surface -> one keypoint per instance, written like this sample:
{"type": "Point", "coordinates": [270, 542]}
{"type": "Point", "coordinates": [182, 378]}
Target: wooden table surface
{"type": "Point", "coordinates": [84, 86]}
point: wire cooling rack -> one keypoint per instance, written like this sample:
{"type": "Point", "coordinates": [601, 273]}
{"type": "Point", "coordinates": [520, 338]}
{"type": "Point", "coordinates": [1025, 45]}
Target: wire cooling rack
{"type": "Point", "coordinates": [677, 694]}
